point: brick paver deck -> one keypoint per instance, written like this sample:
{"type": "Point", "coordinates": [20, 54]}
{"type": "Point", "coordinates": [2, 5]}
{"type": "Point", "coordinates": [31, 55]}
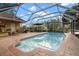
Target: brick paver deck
{"type": "Point", "coordinates": [70, 46]}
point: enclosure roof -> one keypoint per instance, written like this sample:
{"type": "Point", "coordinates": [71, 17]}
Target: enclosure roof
{"type": "Point", "coordinates": [40, 12]}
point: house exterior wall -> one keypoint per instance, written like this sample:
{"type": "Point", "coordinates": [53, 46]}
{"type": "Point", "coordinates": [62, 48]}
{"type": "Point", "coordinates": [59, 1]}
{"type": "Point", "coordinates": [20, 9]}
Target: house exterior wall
{"type": "Point", "coordinates": [17, 27]}
{"type": "Point", "coordinates": [12, 27]}
{"type": "Point", "coordinates": [9, 25]}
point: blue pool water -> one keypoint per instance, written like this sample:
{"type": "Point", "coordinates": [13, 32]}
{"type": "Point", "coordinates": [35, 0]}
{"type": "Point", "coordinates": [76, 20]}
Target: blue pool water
{"type": "Point", "coordinates": [50, 41]}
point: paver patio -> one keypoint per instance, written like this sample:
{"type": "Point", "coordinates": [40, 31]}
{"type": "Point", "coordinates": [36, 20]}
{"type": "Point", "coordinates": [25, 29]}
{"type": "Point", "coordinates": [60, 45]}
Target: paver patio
{"type": "Point", "coordinates": [68, 47]}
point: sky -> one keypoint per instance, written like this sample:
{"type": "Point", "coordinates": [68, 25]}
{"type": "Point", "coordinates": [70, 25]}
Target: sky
{"type": "Point", "coordinates": [24, 14]}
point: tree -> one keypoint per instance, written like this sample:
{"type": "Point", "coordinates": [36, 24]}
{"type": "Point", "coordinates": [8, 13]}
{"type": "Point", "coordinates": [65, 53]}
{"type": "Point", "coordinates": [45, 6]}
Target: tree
{"type": "Point", "coordinates": [54, 25]}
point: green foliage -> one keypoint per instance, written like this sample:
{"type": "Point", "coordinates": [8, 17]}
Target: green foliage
{"type": "Point", "coordinates": [67, 27]}
{"type": "Point", "coordinates": [55, 25]}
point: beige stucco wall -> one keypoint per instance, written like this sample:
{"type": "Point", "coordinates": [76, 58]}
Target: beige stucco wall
{"type": "Point", "coordinates": [17, 26]}
{"type": "Point", "coordinates": [13, 26]}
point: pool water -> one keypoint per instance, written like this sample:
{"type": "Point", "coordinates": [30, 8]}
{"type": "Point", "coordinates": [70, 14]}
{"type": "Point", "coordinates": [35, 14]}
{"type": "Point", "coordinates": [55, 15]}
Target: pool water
{"type": "Point", "coordinates": [50, 41]}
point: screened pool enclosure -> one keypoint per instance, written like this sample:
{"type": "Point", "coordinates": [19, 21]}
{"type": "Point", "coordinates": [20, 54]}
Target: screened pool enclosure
{"type": "Point", "coordinates": [45, 17]}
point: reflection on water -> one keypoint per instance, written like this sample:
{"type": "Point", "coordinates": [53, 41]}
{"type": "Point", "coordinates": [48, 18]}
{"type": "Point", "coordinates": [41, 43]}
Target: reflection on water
{"type": "Point", "coordinates": [50, 40]}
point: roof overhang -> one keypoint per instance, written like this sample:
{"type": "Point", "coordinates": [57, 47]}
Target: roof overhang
{"type": "Point", "coordinates": [14, 19]}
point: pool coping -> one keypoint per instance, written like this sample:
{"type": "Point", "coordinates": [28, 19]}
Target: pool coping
{"type": "Point", "coordinates": [33, 36]}
{"type": "Point", "coordinates": [12, 48]}
{"type": "Point", "coordinates": [29, 37]}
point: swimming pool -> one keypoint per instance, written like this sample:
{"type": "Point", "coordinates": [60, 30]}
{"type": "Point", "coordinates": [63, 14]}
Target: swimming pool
{"type": "Point", "coordinates": [50, 41]}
